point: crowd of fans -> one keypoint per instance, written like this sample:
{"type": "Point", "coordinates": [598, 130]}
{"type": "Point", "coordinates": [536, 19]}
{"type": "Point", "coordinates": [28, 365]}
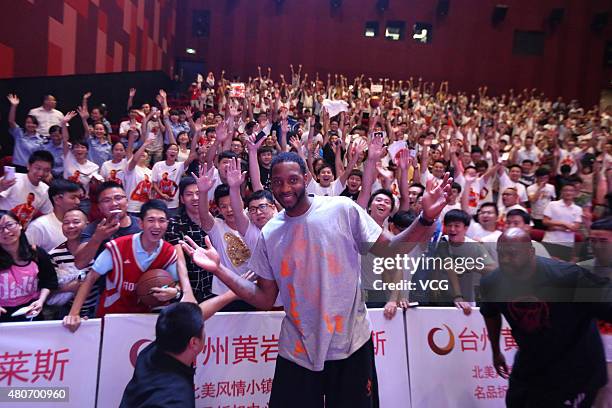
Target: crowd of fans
{"type": "Point", "coordinates": [199, 166]}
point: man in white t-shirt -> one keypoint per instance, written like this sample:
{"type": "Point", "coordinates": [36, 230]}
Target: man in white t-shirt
{"type": "Point", "coordinates": [132, 122]}
{"type": "Point", "coordinates": [311, 254]}
{"type": "Point", "coordinates": [511, 179]}
{"type": "Point", "coordinates": [509, 202]}
{"type": "Point", "coordinates": [235, 251]}
{"type": "Point", "coordinates": [26, 194]}
{"type": "Point", "coordinates": [47, 115]}
{"type": "Point", "coordinates": [563, 219]}
{"type": "Point", "coordinates": [528, 152]}
{"type": "Point", "coordinates": [487, 222]}
{"type": "Point", "coordinates": [46, 231]}
{"type": "Point", "coordinates": [540, 195]}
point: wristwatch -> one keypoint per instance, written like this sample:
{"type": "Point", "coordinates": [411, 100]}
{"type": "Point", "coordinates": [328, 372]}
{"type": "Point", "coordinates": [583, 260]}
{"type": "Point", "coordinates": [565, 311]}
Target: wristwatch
{"type": "Point", "coordinates": [423, 221]}
{"type": "Point", "coordinates": [179, 294]}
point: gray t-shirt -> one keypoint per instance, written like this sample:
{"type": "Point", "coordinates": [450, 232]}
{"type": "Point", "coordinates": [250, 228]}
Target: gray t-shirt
{"type": "Point", "coordinates": [315, 261]}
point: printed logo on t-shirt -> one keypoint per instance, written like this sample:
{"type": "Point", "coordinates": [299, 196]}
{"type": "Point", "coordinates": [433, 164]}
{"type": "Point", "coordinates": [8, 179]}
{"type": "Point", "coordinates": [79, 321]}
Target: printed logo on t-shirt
{"type": "Point", "coordinates": [25, 211]}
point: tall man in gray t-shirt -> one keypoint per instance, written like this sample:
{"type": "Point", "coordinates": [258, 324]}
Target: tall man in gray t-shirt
{"type": "Point", "coordinates": [310, 252]}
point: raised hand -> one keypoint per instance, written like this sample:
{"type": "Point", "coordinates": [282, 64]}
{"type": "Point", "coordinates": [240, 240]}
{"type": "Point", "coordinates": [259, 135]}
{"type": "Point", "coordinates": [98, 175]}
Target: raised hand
{"type": "Point", "coordinates": [87, 95]}
{"type": "Point", "coordinates": [188, 112]}
{"type": "Point", "coordinates": [13, 99]}
{"type": "Point", "coordinates": [252, 144]}
{"type": "Point", "coordinates": [199, 124]}
{"type": "Point", "coordinates": [206, 179]}
{"type": "Point", "coordinates": [436, 197]}
{"type": "Point", "coordinates": [207, 259]}
{"type": "Point", "coordinates": [403, 159]}
{"type": "Point", "coordinates": [162, 93]}
{"type": "Point", "coordinates": [296, 143]}
{"type": "Point", "coordinates": [235, 176]}
{"type": "Point", "coordinates": [69, 116]}
{"type": "Point", "coordinates": [284, 126]}
{"type": "Point", "coordinates": [83, 112]}
{"type": "Point", "coordinates": [222, 132]}
{"type": "Point", "coordinates": [376, 149]}
{"type": "Point", "coordinates": [233, 110]}
{"type": "Point", "coordinates": [132, 92]}
{"type": "Point", "coordinates": [387, 174]}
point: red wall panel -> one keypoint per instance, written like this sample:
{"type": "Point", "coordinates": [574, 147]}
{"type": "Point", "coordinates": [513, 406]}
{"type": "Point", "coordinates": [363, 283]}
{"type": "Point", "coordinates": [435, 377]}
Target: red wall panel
{"type": "Point", "coordinates": [55, 37]}
{"type": "Point", "coordinates": [466, 49]}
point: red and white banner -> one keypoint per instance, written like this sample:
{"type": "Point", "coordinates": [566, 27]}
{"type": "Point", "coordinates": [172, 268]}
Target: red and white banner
{"type": "Point", "coordinates": [450, 359]}
{"type": "Point", "coordinates": [237, 364]}
{"type": "Point", "coordinates": [235, 367]}
{"type": "Point", "coordinates": [391, 361]}
{"type": "Point", "coordinates": [45, 354]}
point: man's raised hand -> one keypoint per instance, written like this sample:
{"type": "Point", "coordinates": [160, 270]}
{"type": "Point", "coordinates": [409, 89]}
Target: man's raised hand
{"type": "Point", "coordinates": [436, 197]}
{"type": "Point", "coordinates": [207, 259]}
{"type": "Point", "coordinates": [13, 99]}
{"type": "Point", "coordinates": [205, 180]}
{"type": "Point", "coordinates": [235, 176]}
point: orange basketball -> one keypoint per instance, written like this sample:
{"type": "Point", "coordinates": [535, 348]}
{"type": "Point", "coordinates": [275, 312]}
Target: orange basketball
{"type": "Point", "coordinates": [154, 278]}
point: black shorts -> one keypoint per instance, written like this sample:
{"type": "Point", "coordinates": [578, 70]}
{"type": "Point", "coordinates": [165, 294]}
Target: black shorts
{"type": "Point", "coordinates": [351, 382]}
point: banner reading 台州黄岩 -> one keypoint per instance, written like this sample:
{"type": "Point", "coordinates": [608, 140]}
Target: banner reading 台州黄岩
{"type": "Point", "coordinates": [450, 359]}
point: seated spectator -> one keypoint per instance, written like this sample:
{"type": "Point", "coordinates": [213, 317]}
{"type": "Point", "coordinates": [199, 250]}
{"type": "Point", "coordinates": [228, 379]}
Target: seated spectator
{"type": "Point", "coordinates": [77, 168]}
{"type": "Point", "coordinates": [146, 250]}
{"type": "Point", "coordinates": [540, 194]}
{"type": "Point", "coordinates": [115, 223]}
{"type": "Point", "coordinates": [55, 146]}
{"type": "Point", "coordinates": [457, 245]}
{"type": "Point", "coordinates": [46, 115]}
{"type": "Point", "coordinates": [26, 195]}
{"type": "Point", "coordinates": [27, 140]}
{"type": "Point", "coordinates": [137, 177]}
{"type": "Point", "coordinates": [27, 276]}
{"type": "Point", "coordinates": [114, 169]}
{"type": "Point", "coordinates": [486, 222]}
{"type": "Point", "coordinates": [46, 231]}
{"type": "Point", "coordinates": [130, 124]}
{"type": "Point", "coordinates": [563, 219]}
{"type": "Point", "coordinates": [70, 277]}
{"type": "Point", "coordinates": [510, 201]}
{"type": "Point", "coordinates": [98, 139]}
{"type": "Point", "coordinates": [187, 223]}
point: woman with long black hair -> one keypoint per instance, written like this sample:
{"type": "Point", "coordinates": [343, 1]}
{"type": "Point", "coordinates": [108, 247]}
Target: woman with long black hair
{"type": "Point", "coordinates": [27, 276]}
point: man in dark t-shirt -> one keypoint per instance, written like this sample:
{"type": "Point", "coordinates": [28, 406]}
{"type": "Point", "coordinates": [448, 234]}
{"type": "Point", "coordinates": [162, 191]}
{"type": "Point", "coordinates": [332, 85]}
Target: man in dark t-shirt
{"type": "Point", "coordinates": [552, 307]}
{"type": "Point", "coordinates": [164, 371]}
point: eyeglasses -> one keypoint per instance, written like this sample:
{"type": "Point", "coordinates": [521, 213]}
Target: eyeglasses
{"type": "Point", "coordinates": [10, 226]}
{"type": "Point", "coordinates": [117, 198]}
{"type": "Point", "coordinates": [260, 207]}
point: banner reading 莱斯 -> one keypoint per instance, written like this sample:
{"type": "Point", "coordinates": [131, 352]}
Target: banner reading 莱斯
{"type": "Point", "coordinates": [450, 359]}
{"type": "Point", "coordinates": [45, 354]}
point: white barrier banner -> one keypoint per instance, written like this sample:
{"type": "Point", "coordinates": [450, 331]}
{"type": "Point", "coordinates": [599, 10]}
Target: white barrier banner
{"type": "Point", "coordinates": [38, 356]}
{"type": "Point", "coordinates": [450, 359]}
{"type": "Point", "coordinates": [237, 364]}
{"type": "Point", "coordinates": [235, 367]}
{"type": "Point", "coordinates": [391, 363]}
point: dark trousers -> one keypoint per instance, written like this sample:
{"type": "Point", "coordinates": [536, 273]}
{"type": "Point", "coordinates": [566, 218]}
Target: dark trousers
{"type": "Point", "coordinates": [348, 383]}
{"type": "Point", "coordinates": [525, 395]}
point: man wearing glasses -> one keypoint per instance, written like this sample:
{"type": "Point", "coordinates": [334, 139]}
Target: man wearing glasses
{"type": "Point", "coordinates": [124, 260]}
{"type": "Point", "coordinates": [115, 223]}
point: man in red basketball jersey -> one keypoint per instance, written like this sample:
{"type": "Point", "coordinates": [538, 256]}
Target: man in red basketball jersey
{"type": "Point", "coordinates": [124, 260]}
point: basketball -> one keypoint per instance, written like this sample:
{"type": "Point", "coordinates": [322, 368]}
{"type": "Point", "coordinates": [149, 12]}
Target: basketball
{"type": "Point", "coordinates": [154, 278]}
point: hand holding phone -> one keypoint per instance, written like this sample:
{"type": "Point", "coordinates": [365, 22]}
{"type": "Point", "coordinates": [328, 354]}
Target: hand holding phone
{"type": "Point", "coordinates": [9, 172]}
